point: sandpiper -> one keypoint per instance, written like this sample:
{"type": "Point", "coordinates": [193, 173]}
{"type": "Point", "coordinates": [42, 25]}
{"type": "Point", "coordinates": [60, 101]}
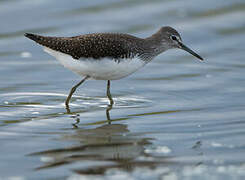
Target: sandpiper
{"type": "Point", "coordinates": [108, 56]}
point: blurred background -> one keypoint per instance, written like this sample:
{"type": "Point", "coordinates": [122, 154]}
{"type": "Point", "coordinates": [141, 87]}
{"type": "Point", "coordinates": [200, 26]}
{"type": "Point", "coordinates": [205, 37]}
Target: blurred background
{"type": "Point", "coordinates": [177, 118]}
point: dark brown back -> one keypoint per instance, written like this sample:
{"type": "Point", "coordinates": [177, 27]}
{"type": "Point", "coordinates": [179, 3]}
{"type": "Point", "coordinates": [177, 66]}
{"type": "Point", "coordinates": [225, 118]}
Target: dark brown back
{"type": "Point", "coordinates": [93, 45]}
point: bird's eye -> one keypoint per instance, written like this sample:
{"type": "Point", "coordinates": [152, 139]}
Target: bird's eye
{"type": "Point", "coordinates": [173, 37]}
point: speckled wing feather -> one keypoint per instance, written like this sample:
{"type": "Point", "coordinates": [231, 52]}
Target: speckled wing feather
{"type": "Point", "coordinates": [95, 46]}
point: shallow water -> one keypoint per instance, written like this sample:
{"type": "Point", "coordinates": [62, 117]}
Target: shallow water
{"type": "Point", "coordinates": [177, 118]}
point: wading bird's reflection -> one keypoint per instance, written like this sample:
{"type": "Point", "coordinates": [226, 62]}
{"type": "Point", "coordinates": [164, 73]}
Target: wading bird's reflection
{"type": "Point", "coordinates": [102, 148]}
{"type": "Point", "coordinates": [110, 145]}
{"type": "Point", "coordinates": [109, 107]}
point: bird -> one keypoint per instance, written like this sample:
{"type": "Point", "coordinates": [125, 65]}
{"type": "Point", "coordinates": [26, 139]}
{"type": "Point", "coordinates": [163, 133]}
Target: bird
{"type": "Point", "coordinates": [108, 56]}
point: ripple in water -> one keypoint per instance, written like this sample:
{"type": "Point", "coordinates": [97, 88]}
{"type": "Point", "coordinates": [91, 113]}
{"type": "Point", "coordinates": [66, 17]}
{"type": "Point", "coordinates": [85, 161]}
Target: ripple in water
{"type": "Point", "coordinates": [27, 105]}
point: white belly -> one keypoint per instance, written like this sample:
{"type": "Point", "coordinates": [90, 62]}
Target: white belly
{"type": "Point", "coordinates": [103, 69]}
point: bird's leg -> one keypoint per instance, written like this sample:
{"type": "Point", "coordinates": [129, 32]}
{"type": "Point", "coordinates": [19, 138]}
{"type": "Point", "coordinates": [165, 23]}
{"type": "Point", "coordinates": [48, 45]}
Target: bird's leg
{"type": "Point", "coordinates": [73, 89]}
{"type": "Point", "coordinates": [109, 93]}
{"type": "Point", "coordinates": [108, 114]}
{"type": "Point", "coordinates": [111, 102]}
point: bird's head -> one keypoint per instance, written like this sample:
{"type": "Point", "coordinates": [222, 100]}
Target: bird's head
{"type": "Point", "coordinates": [170, 38]}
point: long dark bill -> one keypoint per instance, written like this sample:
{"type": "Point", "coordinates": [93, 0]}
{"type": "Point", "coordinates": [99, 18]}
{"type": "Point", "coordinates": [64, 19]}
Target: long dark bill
{"type": "Point", "coordinates": [184, 47]}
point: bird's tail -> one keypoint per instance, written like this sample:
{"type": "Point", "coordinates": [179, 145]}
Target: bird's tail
{"type": "Point", "coordinates": [33, 37]}
{"type": "Point", "coordinates": [60, 44]}
{"type": "Point", "coordinates": [42, 40]}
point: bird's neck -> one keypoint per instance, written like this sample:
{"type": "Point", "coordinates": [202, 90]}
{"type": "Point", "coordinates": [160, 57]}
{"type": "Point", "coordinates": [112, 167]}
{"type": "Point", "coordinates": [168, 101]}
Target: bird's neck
{"type": "Point", "coordinates": [154, 46]}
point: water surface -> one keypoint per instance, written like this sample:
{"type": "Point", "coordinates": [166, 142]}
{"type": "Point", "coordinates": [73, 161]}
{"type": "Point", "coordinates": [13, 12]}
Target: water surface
{"type": "Point", "coordinates": [177, 118]}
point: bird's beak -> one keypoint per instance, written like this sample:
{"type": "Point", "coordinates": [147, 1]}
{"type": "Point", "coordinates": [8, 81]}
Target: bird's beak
{"type": "Point", "coordinates": [184, 47]}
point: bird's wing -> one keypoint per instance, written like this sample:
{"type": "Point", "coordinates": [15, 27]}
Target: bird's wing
{"type": "Point", "coordinates": [95, 46]}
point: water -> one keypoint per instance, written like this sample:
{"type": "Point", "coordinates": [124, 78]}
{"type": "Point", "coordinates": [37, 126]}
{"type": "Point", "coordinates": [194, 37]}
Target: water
{"type": "Point", "coordinates": [177, 118]}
